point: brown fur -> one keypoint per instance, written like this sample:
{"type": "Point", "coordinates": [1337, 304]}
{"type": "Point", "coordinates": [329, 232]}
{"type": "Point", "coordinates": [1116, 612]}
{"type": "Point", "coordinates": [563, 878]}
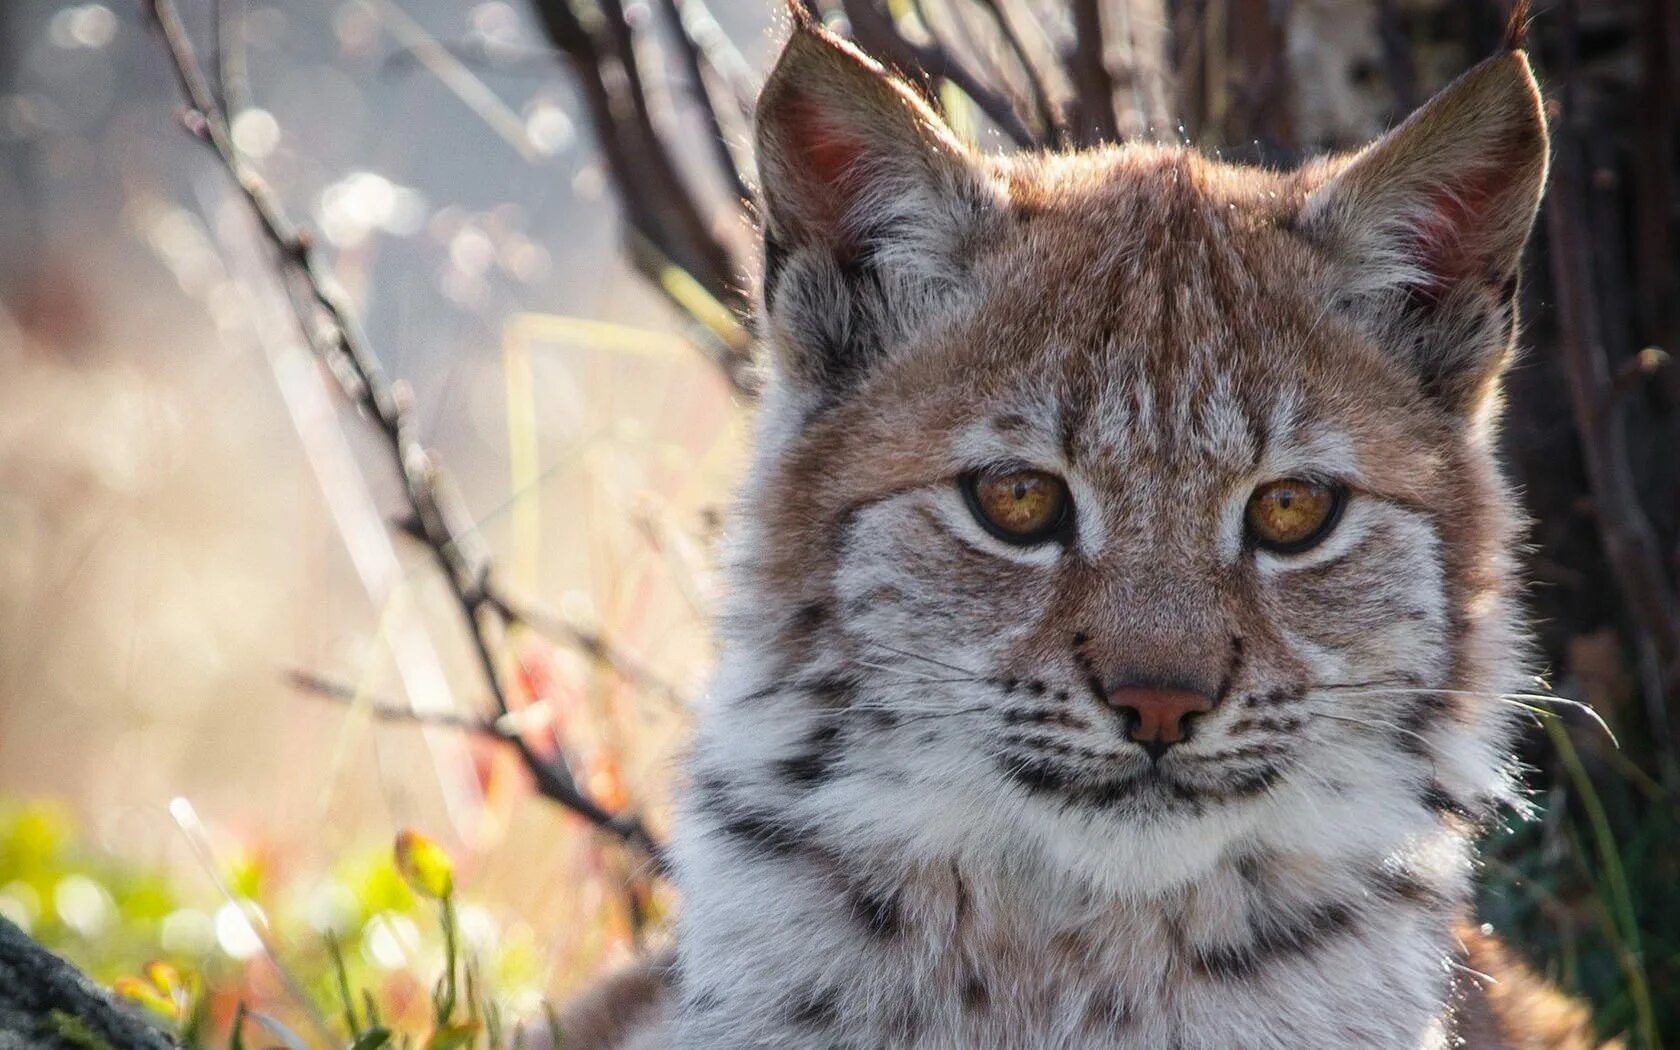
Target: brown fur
{"type": "Point", "coordinates": [1504, 1006]}
{"type": "Point", "coordinates": [616, 1012]}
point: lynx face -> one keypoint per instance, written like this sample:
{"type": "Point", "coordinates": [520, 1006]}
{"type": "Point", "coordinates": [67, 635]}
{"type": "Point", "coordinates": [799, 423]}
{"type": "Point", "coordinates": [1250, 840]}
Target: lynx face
{"type": "Point", "coordinates": [1127, 502]}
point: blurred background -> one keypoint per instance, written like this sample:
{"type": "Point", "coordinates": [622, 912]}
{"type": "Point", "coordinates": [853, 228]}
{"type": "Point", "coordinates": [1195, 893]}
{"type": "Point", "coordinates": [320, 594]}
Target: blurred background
{"type": "Point", "coordinates": [233, 655]}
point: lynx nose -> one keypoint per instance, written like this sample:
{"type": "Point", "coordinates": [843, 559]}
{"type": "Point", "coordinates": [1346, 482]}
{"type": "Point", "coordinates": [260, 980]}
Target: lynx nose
{"type": "Point", "coordinates": [1160, 713]}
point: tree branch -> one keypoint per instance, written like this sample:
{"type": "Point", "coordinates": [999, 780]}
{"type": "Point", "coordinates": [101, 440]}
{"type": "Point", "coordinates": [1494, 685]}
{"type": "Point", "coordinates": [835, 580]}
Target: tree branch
{"type": "Point", "coordinates": [1630, 543]}
{"type": "Point", "coordinates": [329, 325]}
{"type": "Point", "coordinates": [875, 31]}
{"type": "Point", "coordinates": [1049, 119]}
{"type": "Point", "coordinates": [689, 53]}
{"type": "Point", "coordinates": [1088, 68]}
{"type": "Point", "coordinates": [658, 203]}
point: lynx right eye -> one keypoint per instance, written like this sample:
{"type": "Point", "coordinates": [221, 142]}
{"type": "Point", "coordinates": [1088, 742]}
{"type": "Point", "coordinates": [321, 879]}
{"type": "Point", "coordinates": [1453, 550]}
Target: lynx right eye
{"type": "Point", "coordinates": [1023, 507]}
{"type": "Point", "coordinates": [1292, 515]}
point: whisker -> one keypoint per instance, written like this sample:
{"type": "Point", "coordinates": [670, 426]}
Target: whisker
{"type": "Point", "coordinates": [918, 675]}
{"type": "Point", "coordinates": [919, 656]}
{"type": "Point", "coordinates": [909, 713]}
{"type": "Point", "coordinates": [1394, 727]}
{"type": "Point", "coordinates": [1522, 700]}
{"type": "Point", "coordinates": [1405, 680]}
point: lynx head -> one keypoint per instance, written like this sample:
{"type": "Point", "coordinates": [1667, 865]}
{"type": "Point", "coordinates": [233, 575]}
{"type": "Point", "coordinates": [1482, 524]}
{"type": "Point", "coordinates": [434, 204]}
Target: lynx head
{"type": "Point", "coordinates": [1126, 502]}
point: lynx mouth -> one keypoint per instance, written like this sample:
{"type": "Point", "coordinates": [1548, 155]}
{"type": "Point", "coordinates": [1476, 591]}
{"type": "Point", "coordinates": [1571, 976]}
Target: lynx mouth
{"type": "Point", "coordinates": [1145, 785]}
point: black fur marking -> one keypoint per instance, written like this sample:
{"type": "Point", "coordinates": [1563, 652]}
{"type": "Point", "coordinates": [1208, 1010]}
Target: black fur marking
{"type": "Point", "coordinates": [1040, 775]}
{"type": "Point", "coordinates": [1044, 716]}
{"type": "Point", "coordinates": [878, 913]}
{"type": "Point", "coordinates": [881, 719]}
{"type": "Point", "coordinates": [1093, 681]}
{"type": "Point", "coordinates": [759, 833]}
{"type": "Point", "coordinates": [1233, 667]}
{"type": "Point", "coordinates": [833, 693]}
{"type": "Point", "coordinates": [1039, 743]}
{"type": "Point", "coordinates": [1251, 868]}
{"type": "Point", "coordinates": [1247, 785]}
{"type": "Point", "coordinates": [976, 997]}
{"type": "Point", "coordinates": [1397, 884]}
{"type": "Point", "coordinates": [1268, 942]}
{"type": "Point", "coordinates": [1042, 743]}
{"type": "Point", "coordinates": [1438, 800]}
{"type": "Point", "coordinates": [765, 836]}
{"type": "Point", "coordinates": [813, 766]}
{"type": "Point", "coordinates": [703, 1001]}
{"type": "Point", "coordinates": [1249, 751]}
{"type": "Point", "coordinates": [1273, 697]}
{"type": "Point", "coordinates": [775, 258]}
{"type": "Point", "coordinates": [1106, 1010]}
{"type": "Point", "coordinates": [816, 1009]}
{"type": "Point", "coordinates": [810, 617]}
{"type": "Point", "coordinates": [844, 363]}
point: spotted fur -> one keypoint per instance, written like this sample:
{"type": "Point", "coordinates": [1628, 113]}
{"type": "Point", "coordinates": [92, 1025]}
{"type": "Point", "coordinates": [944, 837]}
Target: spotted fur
{"type": "Point", "coordinates": [911, 817]}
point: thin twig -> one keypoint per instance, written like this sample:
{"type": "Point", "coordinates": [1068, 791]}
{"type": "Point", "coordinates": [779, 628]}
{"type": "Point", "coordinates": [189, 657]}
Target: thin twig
{"type": "Point", "coordinates": [430, 52]}
{"type": "Point", "coordinates": [1088, 68]}
{"type": "Point", "coordinates": [1049, 119]}
{"type": "Point", "coordinates": [596, 646]}
{"type": "Point", "coordinates": [311, 684]}
{"type": "Point", "coordinates": [1397, 56]}
{"type": "Point", "coordinates": [330, 326]}
{"type": "Point", "coordinates": [554, 627]}
{"type": "Point", "coordinates": [657, 201]}
{"type": "Point", "coordinates": [232, 74]}
{"type": "Point", "coordinates": [474, 53]}
{"type": "Point", "coordinates": [875, 30]}
{"type": "Point", "coordinates": [1630, 543]}
{"type": "Point", "coordinates": [688, 51]}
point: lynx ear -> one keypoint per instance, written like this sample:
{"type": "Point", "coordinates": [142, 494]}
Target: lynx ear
{"type": "Point", "coordinates": [1427, 226]}
{"type": "Point", "coordinates": [869, 207]}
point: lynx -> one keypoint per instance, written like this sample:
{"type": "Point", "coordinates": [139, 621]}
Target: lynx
{"type": "Point", "coordinates": [1122, 596]}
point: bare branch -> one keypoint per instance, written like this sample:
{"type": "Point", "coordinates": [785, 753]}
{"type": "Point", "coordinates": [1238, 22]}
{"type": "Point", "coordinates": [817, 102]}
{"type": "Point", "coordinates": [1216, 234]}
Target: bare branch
{"type": "Point", "coordinates": [553, 780]}
{"type": "Point", "coordinates": [475, 53]}
{"type": "Point", "coordinates": [1088, 68]}
{"type": "Point", "coordinates": [557, 629]}
{"type": "Point", "coordinates": [688, 51]}
{"type": "Point", "coordinates": [1397, 56]}
{"type": "Point", "coordinates": [311, 684]}
{"type": "Point", "coordinates": [597, 647]}
{"type": "Point", "coordinates": [658, 203]}
{"type": "Point", "coordinates": [1049, 119]}
{"type": "Point", "coordinates": [1630, 543]}
{"type": "Point", "coordinates": [330, 326]}
{"type": "Point", "coordinates": [876, 32]}
{"type": "Point", "coordinates": [232, 75]}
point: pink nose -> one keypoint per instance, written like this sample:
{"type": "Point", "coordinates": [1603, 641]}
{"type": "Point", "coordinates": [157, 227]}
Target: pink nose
{"type": "Point", "coordinates": [1160, 711]}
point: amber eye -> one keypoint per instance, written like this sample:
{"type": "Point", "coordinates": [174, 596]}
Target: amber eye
{"type": "Point", "coordinates": [1293, 514]}
{"type": "Point", "coordinates": [1021, 506]}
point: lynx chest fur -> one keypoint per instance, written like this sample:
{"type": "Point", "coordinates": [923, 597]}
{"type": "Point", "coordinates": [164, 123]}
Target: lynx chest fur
{"type": "Point", "coordinates": [1121, 594]}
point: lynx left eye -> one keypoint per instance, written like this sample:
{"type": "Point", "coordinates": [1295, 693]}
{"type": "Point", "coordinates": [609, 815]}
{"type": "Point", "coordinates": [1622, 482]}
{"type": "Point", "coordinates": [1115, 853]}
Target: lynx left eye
{"type": "Point", "coordinates": [1023, 507]}
{"type": "Point", "coordinates": [1293, 514]}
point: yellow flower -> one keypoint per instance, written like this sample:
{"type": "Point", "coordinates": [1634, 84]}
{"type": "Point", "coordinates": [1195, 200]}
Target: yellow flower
{"type": "Point", "coordinates": [142, 993]}
{"type": "Point", "coordinates": [424, 865]}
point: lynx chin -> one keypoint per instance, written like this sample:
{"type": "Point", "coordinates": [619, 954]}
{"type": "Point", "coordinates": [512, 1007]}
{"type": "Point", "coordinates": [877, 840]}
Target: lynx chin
{"type": "Point", "coordinates": [1122, 596]}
